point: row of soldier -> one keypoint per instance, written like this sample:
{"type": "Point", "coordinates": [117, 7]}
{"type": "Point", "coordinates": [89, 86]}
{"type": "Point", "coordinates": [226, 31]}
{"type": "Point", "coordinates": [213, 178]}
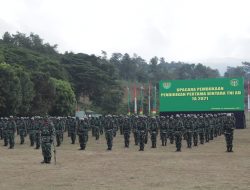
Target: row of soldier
{"type": "Point", "coordinates": [200, 127]}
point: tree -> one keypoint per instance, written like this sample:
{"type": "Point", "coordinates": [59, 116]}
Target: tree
{"type": "Point", "coordinates": [27, 92]}
{"type": "Point", "coordinates": [44, 94]}
{"type": "Point", "coordinates": [64, 103]}
{"type": "Point", "coordinates": [10, 91]}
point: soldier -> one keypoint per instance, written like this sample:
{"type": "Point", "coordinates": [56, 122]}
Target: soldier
{"type": "Point", "coordinates": [178, 131]}
{"type": "Point", "coordinates": [171, 130]}
{"type": "Point", "coordinates": [229, 126]}
{"type": "Point", "coordinates": [59, 128]}
{"type": "Point", "coordinates": [37, 132]}
{"type": "Point", "coordinates": [189, 131]}
{"type": "Point", "coordinates": [109, 132]}
{"type": "Point", "coordinates": [1, 128]}
{"type": "Point", "coordinates": [21, 129]}
{"type": "Point", "coordinates": [135, 130]}
{"type": "Point", "coordinates": [82, 132]}
{"type": "Point", "coordinates": [31, 131]}
{"type": "Point", "coordinates": [11, 129]}
{"type": "Point", "coordinates": [120, 124]}
{"type": "Point", "coordinates": [126, 129]}
{"type": "Point", "coordinates": [142, 127]}
{"type": "Point", "coordinates": [153, 132]}
{"type": "Point", "coordinates": [201, 126]}
{"type": "Point", "coordinates": [195, 130]}
{"type": "Point", "coordinates": [47, 138]}
{"type": "Point", "coordinates": [211, 126]}
{"type": "Point", "coordinates": [207, 128]}
{"type": "Point", "coordinates": [164, 125]}
{"type": "Point", "coordinates": [97, 126]}
{"type": "Point", "coordinates": [72, 130]}
{"type": "Point", "coordinates": [5, 132]}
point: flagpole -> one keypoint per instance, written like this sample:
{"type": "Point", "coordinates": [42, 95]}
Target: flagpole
{"type": "Point", "coordinates": [128, 100]}
{"type": "Point", "coordinates": [135, 100]}
{"type": "Point", "coordinates": [149, 101]}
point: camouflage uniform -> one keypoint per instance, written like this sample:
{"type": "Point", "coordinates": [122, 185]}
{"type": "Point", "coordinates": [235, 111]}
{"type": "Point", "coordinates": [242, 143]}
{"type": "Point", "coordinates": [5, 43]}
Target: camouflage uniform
{"type": "Point", "coordinates": [178, 133]}
{"type": "Point", "coordinates": [201, 129]}
{"type": "Point", "coordinates": [229, 126]}
{"type": "Point", "coordinates": [109, 132]}
{"type": "Point", "coordinates": [142, 127]}
{"type": "Point", "coordinates": [164, 125]}
{"type": "Point", "coordinates": [1, 128]}
{"type": "Point", "coordinates": [37, 131]}
{"type": "Point", "coordinates": [135, 131]}
{"type": "Point", "coordinates": [72, 130]}
{"type": "Point", "coordinates": [47, 138]}
{"type": "Point", "coordinates": [195, 131]}
{"type": "Point", "coordinates": [153, 132]}
{"type": "Point", "coordinates": [171, 130]}
{"type": "Point", "coordinates": [82, 132]}
{"type": "Point", "coordinates": [126, 128]}
{"type": "Point", "coordinates": [189, 132]}
{"type": "Point", "coordinates": [21, 130]}
{"type": "Point", "coordinates": [59, 128]}
{"type": "Point", "coordinates": [11, 129]}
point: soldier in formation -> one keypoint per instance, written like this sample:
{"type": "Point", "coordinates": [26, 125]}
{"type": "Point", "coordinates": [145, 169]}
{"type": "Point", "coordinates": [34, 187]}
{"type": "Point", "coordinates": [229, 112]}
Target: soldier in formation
{"type": "Point", "coordinates": [82, 132]}
{"type": "Point", "coordinates": [194, 128]}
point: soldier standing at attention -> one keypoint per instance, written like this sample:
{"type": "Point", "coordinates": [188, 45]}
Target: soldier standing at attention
{"type": "Point", "coordinates": [11, 129]}
{"type": "Point", "coordinates": [37, 132]}
{"type": "Point", "coordinates": [195, 130]}
{"type": "Point", "coordinates": [189, 131]}
{"type": "Point", "coordinates": [82, 132]}
{"type": "Point", "coordinates": [126, 129]}
{"type": "Point", "coordinates": [21, 129]}
{"type": "Point", "coordinates": [164, 125]}
{"type": "Point", "coordinates": [178, 130]}
{"type": "Point", "coordinates": [229, 126]}
{"type": "Point", "coordinates": [59, 127]}
{"type": "Point", "coordinates": [31, 131]}
{"type": "Point", "coordinates": [5, 132]}
{"type": "Point", "coordinates": [109, 132]}
{"type": "Point", "coordinates": [47, 137]}
{"type": "Point", "coordinates": [72, 130]}
{"type": "Point", "coordinates": [142, 127]}
{"type": "Point", "coordinates": [1, 128]}
{"type": "Point", "coordinates": [153, 132]}
{"type": "Point", "coordinates": [201, 125]}
{"type": "Point", "coordinates": [135, 130]}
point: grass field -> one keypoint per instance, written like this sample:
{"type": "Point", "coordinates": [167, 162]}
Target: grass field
{"type": "Point", "coordinates": [204, 167]}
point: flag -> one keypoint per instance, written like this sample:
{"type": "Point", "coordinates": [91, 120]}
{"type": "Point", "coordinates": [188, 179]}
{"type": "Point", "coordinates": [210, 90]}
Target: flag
{"type": "Point", "coordinates": [128, 100]}
{"type": "Point", "coordinates": [141, 101]}
{"type": "Point", "coordinates": [135, 100]}
{"type": "Point", "coordinates": [154, 104]}
{"type": "Point", "coordinates": [149, 101]}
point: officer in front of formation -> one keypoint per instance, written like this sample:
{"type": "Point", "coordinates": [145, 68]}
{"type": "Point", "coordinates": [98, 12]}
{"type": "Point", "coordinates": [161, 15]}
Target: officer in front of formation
{"type": "Point", "coordinates": [47, 139]}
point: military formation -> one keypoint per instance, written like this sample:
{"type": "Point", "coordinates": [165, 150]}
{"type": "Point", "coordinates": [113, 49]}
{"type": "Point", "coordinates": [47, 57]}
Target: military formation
{"type": "Point", "coordinates": [48, 132]}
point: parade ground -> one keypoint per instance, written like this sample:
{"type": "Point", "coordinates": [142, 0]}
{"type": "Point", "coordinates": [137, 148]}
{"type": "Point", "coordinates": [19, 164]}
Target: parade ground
{"type": "Point", "coordinates": [207, 166]}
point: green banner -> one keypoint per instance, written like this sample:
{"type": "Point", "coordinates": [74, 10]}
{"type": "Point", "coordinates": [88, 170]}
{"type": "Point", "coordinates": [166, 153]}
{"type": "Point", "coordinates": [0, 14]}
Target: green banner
{"type": "Point", "coordinates": [220, 94]}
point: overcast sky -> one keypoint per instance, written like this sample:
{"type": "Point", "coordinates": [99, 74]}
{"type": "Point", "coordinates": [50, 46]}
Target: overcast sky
{"type": "Point", "coordinates": [213, 32]}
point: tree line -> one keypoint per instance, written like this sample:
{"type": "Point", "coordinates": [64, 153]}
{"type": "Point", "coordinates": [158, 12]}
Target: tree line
{"type": "Point", "coordinates": [35, 79]}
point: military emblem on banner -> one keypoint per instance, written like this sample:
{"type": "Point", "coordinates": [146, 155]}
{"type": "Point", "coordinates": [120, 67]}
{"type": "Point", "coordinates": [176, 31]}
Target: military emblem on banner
{"type": "Point", "coordinates": [166, 85]}
{"type": "Point", "coordinates": [234, 82]}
